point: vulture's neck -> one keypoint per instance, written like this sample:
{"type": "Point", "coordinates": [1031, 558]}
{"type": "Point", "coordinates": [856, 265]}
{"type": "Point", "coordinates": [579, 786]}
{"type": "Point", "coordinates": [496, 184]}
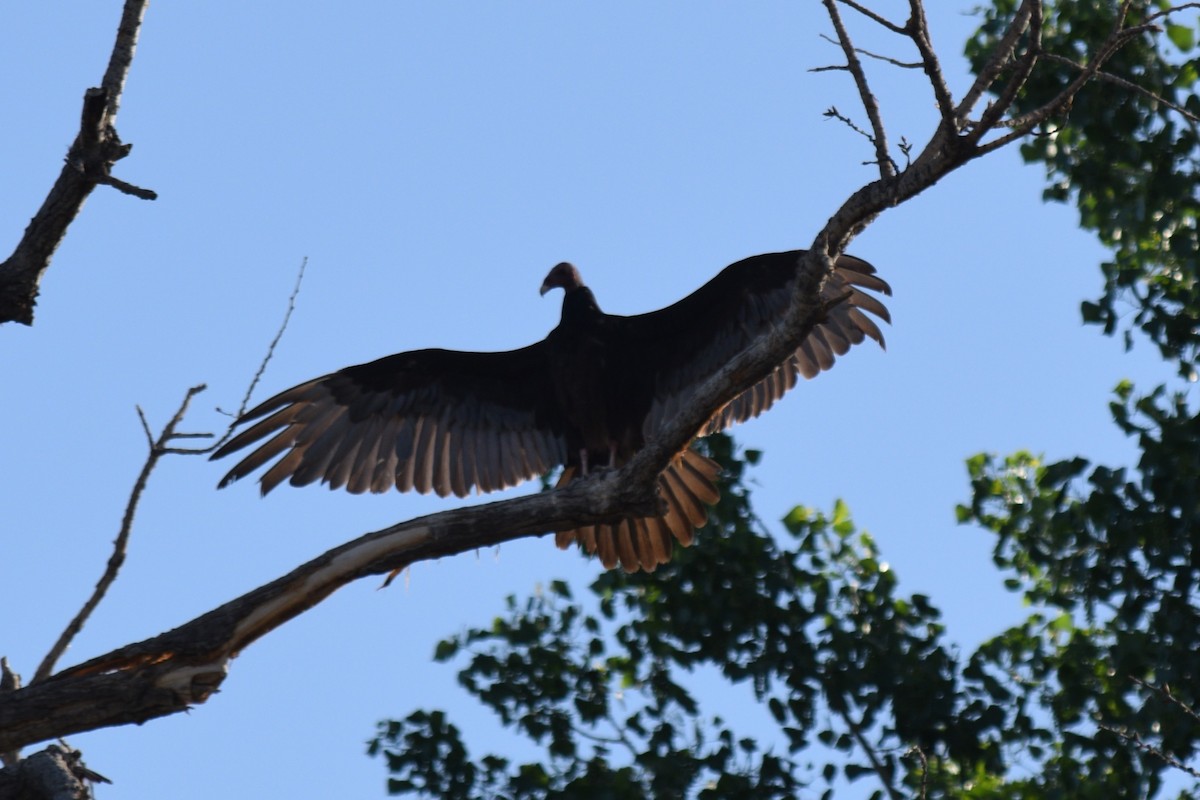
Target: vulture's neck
{"type": "Point", "coordinates": [579, 308]}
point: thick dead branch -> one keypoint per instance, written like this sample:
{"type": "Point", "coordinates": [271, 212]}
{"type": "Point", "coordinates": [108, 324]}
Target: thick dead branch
{"type": "Point", "coordinates": [183, 667]}
{"type": "Point", "coordinates": [89, 162]}
{"type": "Point", "coordinates": [9, 682]}
{"type": "Point", "coordinates": [56, 773]}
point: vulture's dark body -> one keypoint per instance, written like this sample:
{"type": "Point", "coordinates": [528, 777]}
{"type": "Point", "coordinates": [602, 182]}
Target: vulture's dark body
{"type": "Point", "coordinates": [603, 402]}
{"type": "Point", "coordinates": [452, 421]}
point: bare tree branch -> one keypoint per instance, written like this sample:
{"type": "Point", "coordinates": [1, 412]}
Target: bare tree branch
{"type": "Point", "coordinates": [999, 60]}
{"type": "Point", "coordinates": [158, 448]}
{"type": "Point", "coordinates": [996, 110]}
{"type": "Point", "coordinates": [877, 766]}
{"type": "Point", "coordinates": [866, 12]}
{"type": "Point", "coordinates": [918, 30]}
{"type": "Point", "coordinates": [89, 162]}
{"type": "Point", "coordinates": [878, 57]}
{"type": "Point", "coordinates": [1060, 104]}
{"type": "Point", "coordinates": [887, 167]}
{"type": "Point", "coordinates": [1130, 86]}
{"type": "Point", "coordinates": [1135, 739]}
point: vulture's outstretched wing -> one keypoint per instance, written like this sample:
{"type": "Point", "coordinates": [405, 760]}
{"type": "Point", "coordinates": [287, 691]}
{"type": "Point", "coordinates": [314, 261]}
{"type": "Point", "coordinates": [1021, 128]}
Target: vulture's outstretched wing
{"type": "Point", "coordinates": [683, 344]}
{"type": "Point", "coordinates": [430, 420]}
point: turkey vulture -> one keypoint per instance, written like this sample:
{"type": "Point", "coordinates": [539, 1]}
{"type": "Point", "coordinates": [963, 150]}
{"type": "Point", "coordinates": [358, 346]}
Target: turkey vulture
{"type": "Point", "coordinates": [588, 395]}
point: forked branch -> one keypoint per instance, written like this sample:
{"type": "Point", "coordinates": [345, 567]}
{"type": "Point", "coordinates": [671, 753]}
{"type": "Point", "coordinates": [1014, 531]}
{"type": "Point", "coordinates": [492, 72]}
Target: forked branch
{"type": "Point", "coordinates": [158, 448]}
{"type": "Point", "coordinates": [89, 162]}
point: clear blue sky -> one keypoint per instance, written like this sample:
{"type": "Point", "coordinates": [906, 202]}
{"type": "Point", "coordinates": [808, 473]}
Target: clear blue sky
{"type": "Point", "coordinates": [432, 161]}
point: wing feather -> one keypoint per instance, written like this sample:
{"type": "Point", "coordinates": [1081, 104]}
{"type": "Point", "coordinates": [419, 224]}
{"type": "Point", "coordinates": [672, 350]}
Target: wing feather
{"type": "Point", "coordinates": [684, 344]}
{"type": "Point", "coordinates": [385, 468]}
{"type": "Point", "coordinates": [431, 420]}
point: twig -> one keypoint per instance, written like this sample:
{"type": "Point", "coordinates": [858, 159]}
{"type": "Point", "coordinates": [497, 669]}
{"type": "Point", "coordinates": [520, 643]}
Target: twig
{"type": "Point", "coordinates": [1108, 77]}
{"type": "Point", "coordinates": [887, 167]}
{"type": "Point", "coordinates": [1136, 740]}
{"type": "Point", "coordinates": [924, 768]}
{"type": "Point", "coordinates": [1165, 691]}
{"type": "Point", "coordinates": [1170, 10]}
{"type": "Point", "coordinates": [262, 367]}
{"type": "Point", "coordinates": [866, 12]}
{"type": "Point", "coordinates": [856, 731]}
{"type": "Point", "coordinates": [1025, 123]}
{"type": "Point", "coordinates": [158, 448]}
{"type": "Point", "coordinates": [862, 52]}
{"type": "Point", "coordinates": [833, 113]}
{"type": "Point", "coordinates": [127, 188]}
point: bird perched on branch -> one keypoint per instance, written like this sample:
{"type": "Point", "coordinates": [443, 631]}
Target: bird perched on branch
{"type": "Point", "coordinates": [588, 396]}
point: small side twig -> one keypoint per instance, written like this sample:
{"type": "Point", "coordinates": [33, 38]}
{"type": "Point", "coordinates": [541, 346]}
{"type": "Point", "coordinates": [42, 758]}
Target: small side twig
{"type": "Point", "coordinates": [1165, 691]}
{"type": "Point", "coordinates": [863, 52]}
{"type": "Point", "coordinates": [127, 188]}
{"type": "Point", "coordinates": [262, 367]}
{"type": "Point", "coordinates": [877, 766]}
{"type": "Point", "coordinates": [1133, 738]}
{"type": "Point", "coordinates": [158, 448]}
{"type": "Point", "coordinates": [869, 14]}
{"type": "Point", "coordinates": [916, 749]}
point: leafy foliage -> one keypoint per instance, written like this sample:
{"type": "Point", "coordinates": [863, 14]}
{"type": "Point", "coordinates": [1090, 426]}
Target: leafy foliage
{"type": "Point", "coordinates": [1129, 162]}
{"type": "Point", "coordinates": [844, 666]}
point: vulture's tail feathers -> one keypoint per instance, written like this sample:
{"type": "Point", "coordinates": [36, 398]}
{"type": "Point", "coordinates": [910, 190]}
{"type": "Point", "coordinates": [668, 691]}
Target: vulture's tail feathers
{"type": "Point", "coordinates": [688, 486]}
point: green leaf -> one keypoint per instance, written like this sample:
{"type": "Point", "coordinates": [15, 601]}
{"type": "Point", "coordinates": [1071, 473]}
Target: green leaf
{"type": "Point", "coordinates": [1181, 36]}
{"type": "Point", "coordinates": [445, 650]}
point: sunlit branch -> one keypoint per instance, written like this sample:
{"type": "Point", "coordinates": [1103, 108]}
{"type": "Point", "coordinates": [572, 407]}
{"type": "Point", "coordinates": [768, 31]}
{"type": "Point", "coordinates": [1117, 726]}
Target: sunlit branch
{"type": "Point", "coordinates": [998, 60]}
{"type": "Point", "coordinates": [887, 167]}
{"type": "Point", "coordinates": [918, 31]}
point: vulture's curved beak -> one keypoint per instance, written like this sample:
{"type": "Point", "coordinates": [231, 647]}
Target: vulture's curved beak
{"type": "Point", "coordinates": [545, 287]}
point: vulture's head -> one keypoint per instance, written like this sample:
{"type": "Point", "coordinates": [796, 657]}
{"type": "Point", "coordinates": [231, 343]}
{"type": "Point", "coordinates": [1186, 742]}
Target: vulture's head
{"type": "Point", "coordinates": [564, 276]}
